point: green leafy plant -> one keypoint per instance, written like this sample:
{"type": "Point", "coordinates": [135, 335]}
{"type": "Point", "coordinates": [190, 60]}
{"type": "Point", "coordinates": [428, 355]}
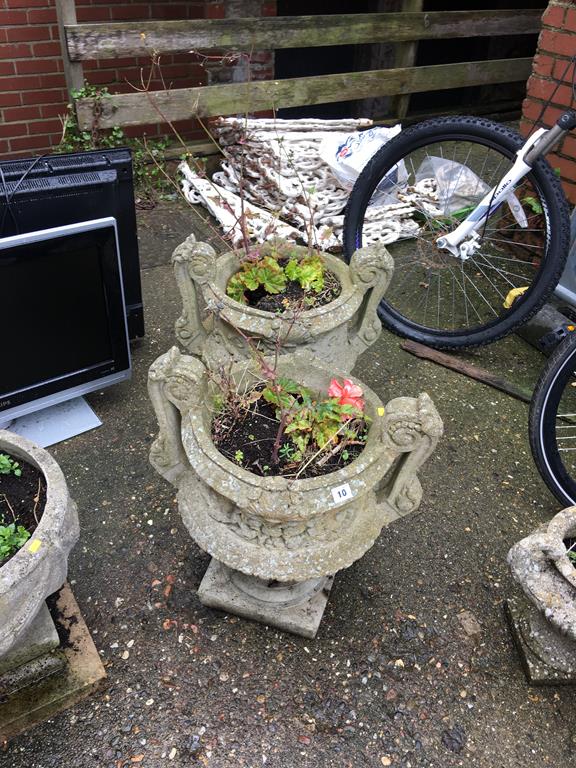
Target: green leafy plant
{"type": "Point", "coordinates": [9, 466]}
{"type": "Point", "coordinates": [263, 273]}
{"type": "Point", "coordinates": [76, 140]}
{"type": "Point", "coordinates": [268, 273]}
{"type": "Point", "coordinates": [311, 422]}
{"type": "Point", "coordinates": [534, 204]}
{"type": "Point", "coordinates": [309, 272]}
{"type": "Point", "coordinates": [286, 451]}
{"type": "Point", "coordinates": [312, 428]}
{"type": "Point", "coordinates": [12, 537]}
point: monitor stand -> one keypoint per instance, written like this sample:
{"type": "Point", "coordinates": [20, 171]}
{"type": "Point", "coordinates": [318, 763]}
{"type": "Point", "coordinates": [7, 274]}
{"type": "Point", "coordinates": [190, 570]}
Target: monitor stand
{"type": "Point", "coordinates": [56, 423]}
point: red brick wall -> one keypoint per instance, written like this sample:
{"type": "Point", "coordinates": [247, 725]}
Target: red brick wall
{"type": "Point", "coordinates": [552, 68]}
{"type": "Point", "coordinates": [33, 93]}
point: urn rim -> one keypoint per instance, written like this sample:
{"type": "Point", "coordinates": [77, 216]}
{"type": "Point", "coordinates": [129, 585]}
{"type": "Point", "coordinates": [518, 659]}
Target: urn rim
{"type": "Point", "coordinates": [227, 265]}
{"type": "Point", "coordinates": [57, 498]}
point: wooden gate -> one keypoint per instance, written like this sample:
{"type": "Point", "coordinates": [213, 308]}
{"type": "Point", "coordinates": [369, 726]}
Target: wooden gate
{"type": "Point", "coordinates": [84, 42]}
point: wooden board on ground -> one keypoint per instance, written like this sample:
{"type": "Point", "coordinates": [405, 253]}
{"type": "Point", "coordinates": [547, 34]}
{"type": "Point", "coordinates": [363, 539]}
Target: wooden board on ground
{"type": "Point", "coordinates": [472, 371]}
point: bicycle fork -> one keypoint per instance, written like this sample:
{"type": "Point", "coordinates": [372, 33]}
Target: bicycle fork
{"type": "Point", "coordinates": [538, 145]}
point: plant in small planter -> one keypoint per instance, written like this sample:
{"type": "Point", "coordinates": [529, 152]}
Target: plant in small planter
{"type": "Point", "coordinates": [286, 472]}
{"type": "Point", "coordinates": [38, 528]}
{"type": "Point", "coordinates": [544, 625]}
{"type": "Point", "coordinates": [21, 496]}
{"type": "Point", "coordinates": [280, 281]}
{"type": "Point", "coordinates": [312, 301]}
{"type": "Point", "coordinates": [279, 427]}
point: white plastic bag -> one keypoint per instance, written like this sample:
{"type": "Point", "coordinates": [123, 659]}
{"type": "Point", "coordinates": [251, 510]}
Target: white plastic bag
{"type": "Point", "coordinates": [347, 153]}
{"type": "Point", "coordinates": [459, 188]}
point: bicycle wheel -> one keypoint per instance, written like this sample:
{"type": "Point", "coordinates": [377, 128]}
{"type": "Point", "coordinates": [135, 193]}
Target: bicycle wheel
{"type": "Point", "coordinates": [552, 422]}
{"type": "Point", "coordinates": [442, 168]}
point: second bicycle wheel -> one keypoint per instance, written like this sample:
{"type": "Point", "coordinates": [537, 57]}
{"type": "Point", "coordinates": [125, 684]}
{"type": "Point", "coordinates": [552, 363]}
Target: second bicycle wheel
{"type": "Point", "coordinates": [440, 170]}
{"type": "Point", "coordinates": [552, 422]}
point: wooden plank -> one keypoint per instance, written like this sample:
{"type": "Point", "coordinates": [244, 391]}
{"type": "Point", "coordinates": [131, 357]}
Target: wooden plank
{"type": "Point", "coordinates": [111, 40]}
{"type": "Point", "coordinates": [73, 71]}
{"type": "Point", "coordinates": [185, 103]}
{"type": "Point", "coordinates": [406, 57]}
{"type": "Point", "coordinates": [467, 369]}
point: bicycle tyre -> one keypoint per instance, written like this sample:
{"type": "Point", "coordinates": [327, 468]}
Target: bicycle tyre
{"type": "Point", "coordinates": [554, 242]}
{"type": "Point", "coordinates": [552, 389]}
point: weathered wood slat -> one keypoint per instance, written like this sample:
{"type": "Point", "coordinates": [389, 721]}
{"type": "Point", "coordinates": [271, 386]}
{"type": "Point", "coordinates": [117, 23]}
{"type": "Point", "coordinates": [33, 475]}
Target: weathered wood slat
{"type": "Point", "coordinates": [405, 56]}
{"type": "Point", "coordinates": [111, 40]}
{"type": "Point", "coordinates": [185, 103]}
{"type": "Point", "coordinates": [73, 70]}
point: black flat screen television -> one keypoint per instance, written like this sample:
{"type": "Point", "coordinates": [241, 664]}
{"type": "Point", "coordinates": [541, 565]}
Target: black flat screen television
{"type": "Point", "coordinates": [55, 190]}
{"type": "Point", "coordinates": [63, 314]}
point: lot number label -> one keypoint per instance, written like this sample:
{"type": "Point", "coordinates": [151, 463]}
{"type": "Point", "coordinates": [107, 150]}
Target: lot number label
{"type": "Point", "coordinates": [342, 492]}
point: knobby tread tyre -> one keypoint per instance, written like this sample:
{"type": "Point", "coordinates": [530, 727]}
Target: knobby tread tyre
{"type": "Point", "coordinates": [551, 384]}
{"type": "Point", "coordinates": [501, 139]}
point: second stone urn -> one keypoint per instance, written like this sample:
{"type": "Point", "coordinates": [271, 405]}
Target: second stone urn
{"type": "Point", "coordinates": [215, 327]}
{"type": "Point", "coordinates": [544, 625]}
{"type": "Point", "coordinates": [277, 542]}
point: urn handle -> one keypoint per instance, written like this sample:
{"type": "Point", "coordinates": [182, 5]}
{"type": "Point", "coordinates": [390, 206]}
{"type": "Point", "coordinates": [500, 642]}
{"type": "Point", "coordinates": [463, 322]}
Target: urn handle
{"type": "Point", "coordinates": [194, 264]}
{"type": "Point", "coordinates": [175, 384]}
{"type": "Point", "coordinates": [371, 270]}
{"type": "Point", "coordinates": [410, 428]}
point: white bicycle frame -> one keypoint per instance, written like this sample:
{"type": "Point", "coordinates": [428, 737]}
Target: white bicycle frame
{"type": "Point", "coordinates": [456, 242]}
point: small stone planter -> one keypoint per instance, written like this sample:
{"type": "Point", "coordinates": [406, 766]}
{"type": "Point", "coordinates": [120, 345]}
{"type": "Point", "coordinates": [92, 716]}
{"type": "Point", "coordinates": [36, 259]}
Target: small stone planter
{"type": "Point", "coordinates": [335, 333]}
{"type": "Point", "coordinates": [544, 626]}
{"type": "Point", "coordinates": [275, 541]}
{"type": "Point", "coordinates": [39, 568]}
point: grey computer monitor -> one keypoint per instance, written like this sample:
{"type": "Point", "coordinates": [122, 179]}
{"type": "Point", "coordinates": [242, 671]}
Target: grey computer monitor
{"type": "Point", "coordinates": [63, 329]}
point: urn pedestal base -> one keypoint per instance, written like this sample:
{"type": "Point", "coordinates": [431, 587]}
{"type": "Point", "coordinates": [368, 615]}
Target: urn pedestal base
{"type": "Point", "coordinates": [34, 659]}
{"type": "Point", "coordinates": [548, 658]}
{"type": "Point", "coordinates": [295, 607]}
{"type": "Point", "coordinates": [40, 638]}
{"type": "Point", "coordinates": [41, 687]}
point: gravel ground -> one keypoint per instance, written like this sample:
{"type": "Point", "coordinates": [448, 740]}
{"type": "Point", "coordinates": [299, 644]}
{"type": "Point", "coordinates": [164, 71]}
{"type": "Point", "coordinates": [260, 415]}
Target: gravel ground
{"type": "Point", "coordinates": [413, 664]}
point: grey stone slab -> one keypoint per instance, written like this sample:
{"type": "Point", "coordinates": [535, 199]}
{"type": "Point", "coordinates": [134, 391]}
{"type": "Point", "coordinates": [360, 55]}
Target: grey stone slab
{"type": "Point", "coordinates": [39, 639]}
{"type": "Point", "coordinates": [547, 657]}
{"type": "Point", "coordinates": [299, 614]}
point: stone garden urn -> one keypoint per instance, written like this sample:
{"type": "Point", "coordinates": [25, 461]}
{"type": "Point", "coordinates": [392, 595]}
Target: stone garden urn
{"type": "Point", "coordinates": [277, 542]}
{"type": "Point", "coordinates": [544, 625]}
{"type": "Point", "coordinates": [39, 568]}
{"type": "Point", "coordinates": [214, 326]}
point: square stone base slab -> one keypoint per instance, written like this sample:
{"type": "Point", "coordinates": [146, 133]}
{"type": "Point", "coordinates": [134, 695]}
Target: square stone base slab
{"type": "Point", "coordinates": [216, 590]}
{"type": "Point", "coordinates": [82, 674]}
{"type": "Point", "coordinates": [538, 672]}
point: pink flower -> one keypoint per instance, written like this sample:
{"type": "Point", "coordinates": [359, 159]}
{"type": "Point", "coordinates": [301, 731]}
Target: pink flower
{"type": "Point", "coordinates": [346, 393]}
